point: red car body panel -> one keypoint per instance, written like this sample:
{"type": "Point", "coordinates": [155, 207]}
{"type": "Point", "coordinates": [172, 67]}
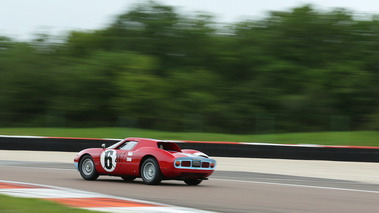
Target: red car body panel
{"type": "Point", "coordinates": [118, 161]}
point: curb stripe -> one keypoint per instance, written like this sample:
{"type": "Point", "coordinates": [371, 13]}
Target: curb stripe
{"type": "Point", "coordinates": [14, 186]}
{"type": "Point", "coordinates": [88, 200]}
{"type": "Point", "coordinates": [48, 193]}
{"type": "Point", "coordinates": [98, 202]}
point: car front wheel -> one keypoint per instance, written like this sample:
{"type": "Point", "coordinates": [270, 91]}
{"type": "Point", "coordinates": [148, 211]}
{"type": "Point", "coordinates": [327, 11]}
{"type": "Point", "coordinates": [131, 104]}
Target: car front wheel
{"type": "Point", "coordinates": [87, 168]}
{"type": "Point", "coordinates": [150, 172]}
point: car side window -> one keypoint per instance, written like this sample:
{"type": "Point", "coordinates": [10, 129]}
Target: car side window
{"type": "Point", "coordinates": [129, 145]}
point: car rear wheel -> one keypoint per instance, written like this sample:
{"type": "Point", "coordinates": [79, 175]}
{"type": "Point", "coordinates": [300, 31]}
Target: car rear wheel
{"type": "Point", "coordinates": [128, 178]}
{"type": "Point", "coordinates": [87, 168]}
{"type": "Point", "coordinates": [150, 172]}
{"type": "Point", "coordinates": [193, 182]}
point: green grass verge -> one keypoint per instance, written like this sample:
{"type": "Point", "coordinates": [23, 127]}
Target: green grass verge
{"type": "Point", "coordinates": [357, 138]}
{"type": "Point", "coordinates": [32, 205]}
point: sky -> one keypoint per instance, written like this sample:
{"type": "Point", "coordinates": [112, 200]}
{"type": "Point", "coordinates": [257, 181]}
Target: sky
{"type": "Point", "coordinates": [22, 19]}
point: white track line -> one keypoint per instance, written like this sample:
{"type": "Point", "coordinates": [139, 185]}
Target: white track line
{"type": "Point", "coordinates": [297, 185]}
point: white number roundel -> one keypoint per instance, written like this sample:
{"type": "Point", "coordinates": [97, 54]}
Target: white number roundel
{"type": "Point", "coordinates": [108, 160]}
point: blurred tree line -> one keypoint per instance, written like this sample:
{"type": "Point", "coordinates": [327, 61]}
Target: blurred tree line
{"type": "Point", "coordinates": [300, 70]}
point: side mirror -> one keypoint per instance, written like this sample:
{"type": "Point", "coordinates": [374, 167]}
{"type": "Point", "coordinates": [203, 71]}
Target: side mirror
{"type": "Point", "coordinates": [103, 145]}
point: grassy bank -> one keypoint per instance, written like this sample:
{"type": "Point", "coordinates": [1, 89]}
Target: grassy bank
{"type": "Point", "coordinates": [358, 138]}
{"type": "Point", "coordinates": [31, 205]}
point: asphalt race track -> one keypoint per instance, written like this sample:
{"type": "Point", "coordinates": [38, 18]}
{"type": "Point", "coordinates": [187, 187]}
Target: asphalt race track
{"type": "Point", "coordinates": [224, 192]}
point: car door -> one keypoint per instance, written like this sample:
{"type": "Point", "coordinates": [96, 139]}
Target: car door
{"type": "Point", "coordinates": [124, 157]}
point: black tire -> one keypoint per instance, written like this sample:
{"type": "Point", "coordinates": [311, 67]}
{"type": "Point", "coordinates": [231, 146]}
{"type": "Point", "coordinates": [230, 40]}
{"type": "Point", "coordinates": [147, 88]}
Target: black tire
{"type": "Point", "coordinates": [128, 178]}
{"type": "Point", "coordinates": [193, 182]}
{"type": "Point", "coordinates": [87, 168]}
{"type": "Point", "coordinates": [150, 172]}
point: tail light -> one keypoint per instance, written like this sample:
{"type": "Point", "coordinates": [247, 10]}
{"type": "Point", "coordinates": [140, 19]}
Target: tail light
{"type": "Point", "coordinates": [186, 163]}
{"type": "Point", "coordinates": [205, 164]}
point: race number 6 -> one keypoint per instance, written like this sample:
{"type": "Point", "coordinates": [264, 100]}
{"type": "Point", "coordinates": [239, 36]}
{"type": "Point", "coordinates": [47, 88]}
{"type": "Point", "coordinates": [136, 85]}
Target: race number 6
{"type": "Point", "coordinates": [108, 160]}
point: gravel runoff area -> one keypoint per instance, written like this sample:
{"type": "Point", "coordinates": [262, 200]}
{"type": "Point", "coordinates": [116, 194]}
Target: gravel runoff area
{"type": "Point", "coordinates": [340, 170]}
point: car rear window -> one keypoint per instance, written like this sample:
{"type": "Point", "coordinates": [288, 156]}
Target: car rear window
{"type": "Point", "coordinates": [168, 146]}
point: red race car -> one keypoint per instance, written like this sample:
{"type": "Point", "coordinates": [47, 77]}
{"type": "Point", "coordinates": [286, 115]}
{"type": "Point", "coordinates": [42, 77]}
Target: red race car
{"type": "Point", "coordinates": [152, 160]}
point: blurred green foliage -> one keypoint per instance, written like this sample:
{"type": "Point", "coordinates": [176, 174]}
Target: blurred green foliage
{"type": "Point", "coordinates": [300, 70]}
{"type": "Point", "coordinates": [352, 138]}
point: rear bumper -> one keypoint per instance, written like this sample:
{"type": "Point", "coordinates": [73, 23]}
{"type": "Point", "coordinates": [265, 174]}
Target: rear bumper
{"type": "Point", "coordinates": [186, 173]}
{"type": "Point", "coordinates": [188, 167]}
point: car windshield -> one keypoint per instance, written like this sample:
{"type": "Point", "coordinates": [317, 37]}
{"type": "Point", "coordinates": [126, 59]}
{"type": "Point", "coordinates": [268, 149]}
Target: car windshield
{"type": "Point", "coordinates": [115, 145]}
{"type": "Point", "coordinates": [128, 145]}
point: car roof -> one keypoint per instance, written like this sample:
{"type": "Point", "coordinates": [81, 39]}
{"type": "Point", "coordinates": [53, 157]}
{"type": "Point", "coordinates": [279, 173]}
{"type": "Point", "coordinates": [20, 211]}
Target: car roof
{"type": "Point", "coordinates": [152, 140]}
